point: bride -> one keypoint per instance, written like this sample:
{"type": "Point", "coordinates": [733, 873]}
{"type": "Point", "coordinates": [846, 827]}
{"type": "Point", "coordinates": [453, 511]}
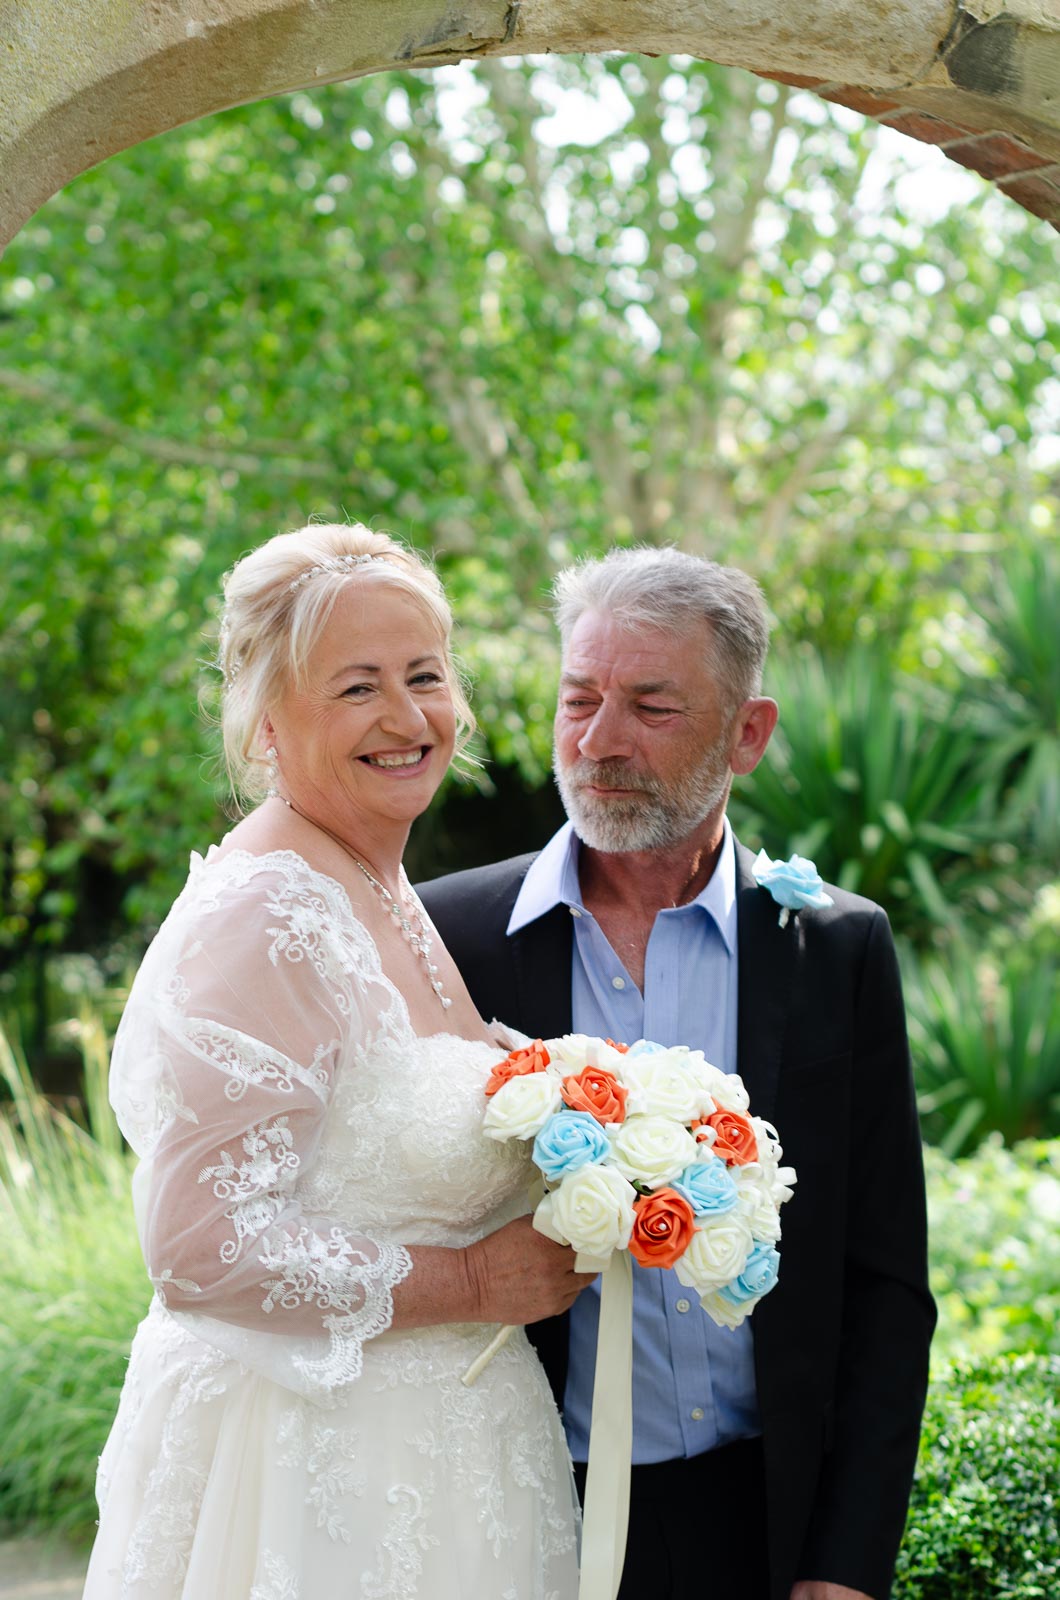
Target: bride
{"type": "Point", "coordinates": [330, 1237]}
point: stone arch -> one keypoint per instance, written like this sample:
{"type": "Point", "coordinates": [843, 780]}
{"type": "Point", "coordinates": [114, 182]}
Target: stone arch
{"type": "Point", "coordinates": [83, 79]}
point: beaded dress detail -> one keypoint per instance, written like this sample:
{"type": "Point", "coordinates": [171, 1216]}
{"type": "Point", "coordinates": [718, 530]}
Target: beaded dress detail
{"type": "Point", "coordinates": [276, 1439]}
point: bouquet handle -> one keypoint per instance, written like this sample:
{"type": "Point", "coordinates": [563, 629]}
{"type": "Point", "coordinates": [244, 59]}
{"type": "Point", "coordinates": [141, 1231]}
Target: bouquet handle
{"type": "Point", "coordinates": [483, 1359]}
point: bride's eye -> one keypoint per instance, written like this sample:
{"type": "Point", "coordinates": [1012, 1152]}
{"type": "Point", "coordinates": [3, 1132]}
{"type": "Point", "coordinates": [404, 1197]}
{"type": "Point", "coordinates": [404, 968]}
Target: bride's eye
{"type": "Point", "coordinates": [427, 680]}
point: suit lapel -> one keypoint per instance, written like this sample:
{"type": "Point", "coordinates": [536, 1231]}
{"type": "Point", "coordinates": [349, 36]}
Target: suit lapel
{"type": "Point", "coordinates": [542, 953]}
{"type": "Point", "coordinates": [767, 966]}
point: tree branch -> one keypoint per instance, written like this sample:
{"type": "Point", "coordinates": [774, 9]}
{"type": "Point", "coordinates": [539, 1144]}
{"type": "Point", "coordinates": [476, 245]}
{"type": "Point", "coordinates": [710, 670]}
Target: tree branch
{"type": "Point", "coordinates": [155, 446]}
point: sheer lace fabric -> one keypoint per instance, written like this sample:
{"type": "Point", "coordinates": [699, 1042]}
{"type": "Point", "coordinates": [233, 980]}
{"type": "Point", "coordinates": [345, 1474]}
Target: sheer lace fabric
{"type": "Point", "coordinates": [276, 1438]}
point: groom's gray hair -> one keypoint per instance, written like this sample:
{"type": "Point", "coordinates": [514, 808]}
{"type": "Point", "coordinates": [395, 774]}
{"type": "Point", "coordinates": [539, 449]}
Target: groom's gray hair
{"type": "Point", "coordinates": [664, 588]}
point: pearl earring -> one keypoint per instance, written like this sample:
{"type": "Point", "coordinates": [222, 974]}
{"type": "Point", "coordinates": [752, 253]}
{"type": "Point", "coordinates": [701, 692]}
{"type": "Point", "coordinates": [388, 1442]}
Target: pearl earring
{"type": "Point", "coordinates": [272, 773]}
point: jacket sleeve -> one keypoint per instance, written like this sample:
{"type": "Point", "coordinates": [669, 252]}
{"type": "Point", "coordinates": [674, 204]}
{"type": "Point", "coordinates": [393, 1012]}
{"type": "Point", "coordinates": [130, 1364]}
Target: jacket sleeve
{"type": "Point", "coordinates": [888, 1315]}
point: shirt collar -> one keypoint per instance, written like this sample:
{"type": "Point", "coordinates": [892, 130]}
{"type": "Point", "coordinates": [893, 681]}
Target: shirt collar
{"type": "Point", "coordinates": [553, 881]}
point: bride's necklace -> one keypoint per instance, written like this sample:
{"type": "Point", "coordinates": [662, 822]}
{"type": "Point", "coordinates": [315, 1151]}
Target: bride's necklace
{"type": "Point", "coordinates": [405, 917]}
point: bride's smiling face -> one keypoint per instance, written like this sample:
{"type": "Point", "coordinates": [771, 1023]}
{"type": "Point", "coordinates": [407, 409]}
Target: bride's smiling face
{"type": "Point", "coordinates": [370, 732]}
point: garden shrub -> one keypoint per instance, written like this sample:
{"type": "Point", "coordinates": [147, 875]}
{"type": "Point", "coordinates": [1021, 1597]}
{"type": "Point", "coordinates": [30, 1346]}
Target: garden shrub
{"type": "Point", "coordinates": [984, 1521]}
{"type": "Point", "coordinates": [995, 1249]}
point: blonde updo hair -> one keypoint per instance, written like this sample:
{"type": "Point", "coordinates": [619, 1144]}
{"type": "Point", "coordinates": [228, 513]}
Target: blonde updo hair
{"type": "Point", "coordinates": [269, 629]}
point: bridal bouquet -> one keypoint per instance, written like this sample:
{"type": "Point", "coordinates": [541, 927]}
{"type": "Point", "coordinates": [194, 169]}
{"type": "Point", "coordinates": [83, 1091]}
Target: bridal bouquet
{"type": "Point", "coordinates": [652, 1150]}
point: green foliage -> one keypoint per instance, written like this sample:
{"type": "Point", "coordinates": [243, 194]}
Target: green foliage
{"type": "Point", "coordinates": [994, 1234]}
{"type": "Point", "coordinates": [1020, 701]}
{"type": "Point", "coordinates": [888, 791]}
{"type": "Point", "coordinates": [418, 299]}
{"type": "Point", "coordinates": [984, 1521]}
{"type": "Point", "coordinates": [984, 1029]}
{"type": "Point", "coordinates": [73, 1287]}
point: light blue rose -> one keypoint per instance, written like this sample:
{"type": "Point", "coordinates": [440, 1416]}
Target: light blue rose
{"type": "Point", "coordinates": [795, 884]}
{"type": "Point", "coordinates": [757, 1277]}
{"type": "Point", "coordinates": [569, 1140]}
{"type": "Point", "coordinates": [708, 1187]}
{"type": "Point", "coordinates": [645, 1047]}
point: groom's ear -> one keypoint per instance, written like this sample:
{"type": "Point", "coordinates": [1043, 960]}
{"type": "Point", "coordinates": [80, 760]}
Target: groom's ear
{"type": "Point", "coordinates": [752, 731]}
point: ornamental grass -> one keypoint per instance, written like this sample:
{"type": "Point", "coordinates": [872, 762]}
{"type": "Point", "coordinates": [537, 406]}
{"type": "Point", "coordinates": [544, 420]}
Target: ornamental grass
{"type": "Point", "coordinates": [72, 1287]}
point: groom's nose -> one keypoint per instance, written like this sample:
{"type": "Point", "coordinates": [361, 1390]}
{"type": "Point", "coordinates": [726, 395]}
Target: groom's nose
{"type": "Point", "coordinates": [607, 736]}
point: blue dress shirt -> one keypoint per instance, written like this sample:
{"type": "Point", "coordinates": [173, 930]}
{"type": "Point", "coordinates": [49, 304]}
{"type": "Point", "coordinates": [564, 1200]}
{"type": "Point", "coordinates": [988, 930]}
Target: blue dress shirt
{"type": "Point", "coordinates": [693, 1382]}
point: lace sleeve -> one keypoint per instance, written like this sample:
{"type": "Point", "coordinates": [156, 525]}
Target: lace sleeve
{"type": "Point", "coordinates": [247, 1006]}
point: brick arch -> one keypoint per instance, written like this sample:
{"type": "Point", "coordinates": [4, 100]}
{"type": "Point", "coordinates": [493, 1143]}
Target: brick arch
{"type": "Point", "coordinates": [83, 79]}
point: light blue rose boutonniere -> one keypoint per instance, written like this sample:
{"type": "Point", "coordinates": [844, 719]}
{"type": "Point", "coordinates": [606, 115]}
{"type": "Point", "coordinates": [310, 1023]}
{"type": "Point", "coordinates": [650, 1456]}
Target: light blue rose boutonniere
{"type": "Point", "coordinates": [795, 884]}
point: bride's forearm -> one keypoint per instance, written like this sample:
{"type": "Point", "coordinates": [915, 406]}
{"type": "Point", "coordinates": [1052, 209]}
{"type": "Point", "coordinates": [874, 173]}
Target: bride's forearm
{"type": "Point", "coordinates": [440, 1288]}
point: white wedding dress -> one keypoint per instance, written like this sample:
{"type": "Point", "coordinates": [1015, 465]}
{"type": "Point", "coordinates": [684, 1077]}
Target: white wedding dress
{"type": "Point", "coordinates": [276, 1439]}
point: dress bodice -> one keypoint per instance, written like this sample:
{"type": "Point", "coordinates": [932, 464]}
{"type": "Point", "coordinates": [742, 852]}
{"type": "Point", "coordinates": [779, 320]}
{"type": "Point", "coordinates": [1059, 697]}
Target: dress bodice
{"type": "Point", "coordinates": [403, 1152]}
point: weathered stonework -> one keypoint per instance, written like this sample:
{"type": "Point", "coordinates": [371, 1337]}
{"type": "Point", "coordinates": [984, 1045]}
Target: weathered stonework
{"type": "Point", "coordinates": [82, 79]}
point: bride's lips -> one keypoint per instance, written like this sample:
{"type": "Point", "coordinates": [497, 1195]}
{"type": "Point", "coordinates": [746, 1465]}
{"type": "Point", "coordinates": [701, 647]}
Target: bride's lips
{"type": "Point", "coordinates": [397, 763]}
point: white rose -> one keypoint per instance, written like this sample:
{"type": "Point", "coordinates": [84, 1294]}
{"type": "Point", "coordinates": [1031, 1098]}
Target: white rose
{"type": "Point", "coordinates": [727, 1089]}
{"type": "Point", "coordinates": [724, 1313]}
{"type": "Point", "coordinates": [717, 1253]}
{"type": "Point", "coordinates": [704, 1077]}
{"type": "Point", "coordinates": [521, 1107]}
{"type": "Point", "coordinates": [652, 1150]}
{"type": "Point", "coordinates": [665, 1084]}
{"type": "Point", "coordinates": [756, 1201]}
{"type": "Point", "coordinates": [576, 1051]}
{"type": "Point", "coordinates": [592, 1209]}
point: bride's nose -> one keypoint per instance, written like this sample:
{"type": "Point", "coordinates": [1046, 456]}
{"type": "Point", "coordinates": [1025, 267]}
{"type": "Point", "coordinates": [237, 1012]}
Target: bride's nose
{"type": "Point", "coordinates": [403, 715]}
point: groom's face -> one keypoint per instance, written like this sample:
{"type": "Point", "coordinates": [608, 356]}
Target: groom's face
{"type": "Point", "coordinates": [641, 737]}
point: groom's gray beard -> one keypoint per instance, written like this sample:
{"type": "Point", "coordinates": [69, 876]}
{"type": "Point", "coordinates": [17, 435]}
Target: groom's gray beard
{"type": "Point", "coordinates": [657, 816]}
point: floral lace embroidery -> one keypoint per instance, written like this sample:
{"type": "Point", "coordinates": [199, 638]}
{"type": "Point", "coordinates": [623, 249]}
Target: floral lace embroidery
{"type": "Point", "coordinates": [319, 1269]}
{"type": "Point", "coordinates": [328, 1455]}
{"type": "Point", "coordinates": [271, 1164]}
{"type": "Point", "coordinates": [160, 1544]}
{"type": "Point", "coordinates": [161, 1279]}
{"type": "Point", "coordinates": [282, 1579]}
{"type": "Point", "coordinates": [471, 1437]}
{"type": "Point", "coordinates": [399, 1563]}
{"type": "Point", "coordinates": [305, 939]}
{"type": "Point", "coordinates": [321, 924]}
{"type": "Point", "coordinates": [248, 1061]}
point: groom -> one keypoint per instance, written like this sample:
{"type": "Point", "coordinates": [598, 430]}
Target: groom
{"type": "Point", "coordinates": [771, 1462]}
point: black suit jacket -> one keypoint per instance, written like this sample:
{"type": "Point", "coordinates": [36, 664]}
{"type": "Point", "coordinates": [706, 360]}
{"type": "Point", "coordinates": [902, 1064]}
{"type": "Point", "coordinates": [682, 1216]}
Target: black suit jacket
{"type": "Point", "coordinates": [841, 1344]}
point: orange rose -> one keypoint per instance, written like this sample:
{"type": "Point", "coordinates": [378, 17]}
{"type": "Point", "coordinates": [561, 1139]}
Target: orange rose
{"type": "Point", "coordinates": [532, 1058]}
{"type": "Point", "coordinates": [621, 1048]}
{"type": "Point", "coordinates": [597, 1092]}
{"type": "Point", "coordinates": [663, 1225]}
{"type": "Point", "coordinates": [735, 1142]}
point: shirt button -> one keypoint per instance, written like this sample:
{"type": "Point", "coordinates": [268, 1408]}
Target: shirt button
{"type": "Point", "coordinates": [618, 983]}
{"type": "Point", "coordinates": [697, 1413]}
{"type": "Point", "coordinates": [684, 1305]}
{"type": "Point", "coordinates": [574, 911]}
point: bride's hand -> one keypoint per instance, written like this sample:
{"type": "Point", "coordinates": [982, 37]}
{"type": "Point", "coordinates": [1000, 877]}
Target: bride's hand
{"type": "Point", "coordinates": [519, 1276]}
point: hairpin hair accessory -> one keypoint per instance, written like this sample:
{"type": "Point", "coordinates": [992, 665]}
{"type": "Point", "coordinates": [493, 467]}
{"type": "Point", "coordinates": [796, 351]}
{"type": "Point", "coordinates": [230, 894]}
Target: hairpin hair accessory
{"type": "Point", "coordinates": [341, 564]}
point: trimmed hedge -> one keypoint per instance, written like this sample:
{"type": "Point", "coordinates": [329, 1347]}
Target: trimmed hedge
{"type": "Point", "coordinates": [984, 1522]}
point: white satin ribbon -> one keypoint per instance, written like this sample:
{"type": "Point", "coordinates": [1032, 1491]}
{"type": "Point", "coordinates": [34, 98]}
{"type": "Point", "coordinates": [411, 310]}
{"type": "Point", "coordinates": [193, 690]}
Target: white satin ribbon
{"type": "Point", "coordinates": [606, 1515]}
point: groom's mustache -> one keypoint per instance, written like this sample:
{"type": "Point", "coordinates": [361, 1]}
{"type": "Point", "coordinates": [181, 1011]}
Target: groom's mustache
{"type": "Point", "coordinates": [610, 775]}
